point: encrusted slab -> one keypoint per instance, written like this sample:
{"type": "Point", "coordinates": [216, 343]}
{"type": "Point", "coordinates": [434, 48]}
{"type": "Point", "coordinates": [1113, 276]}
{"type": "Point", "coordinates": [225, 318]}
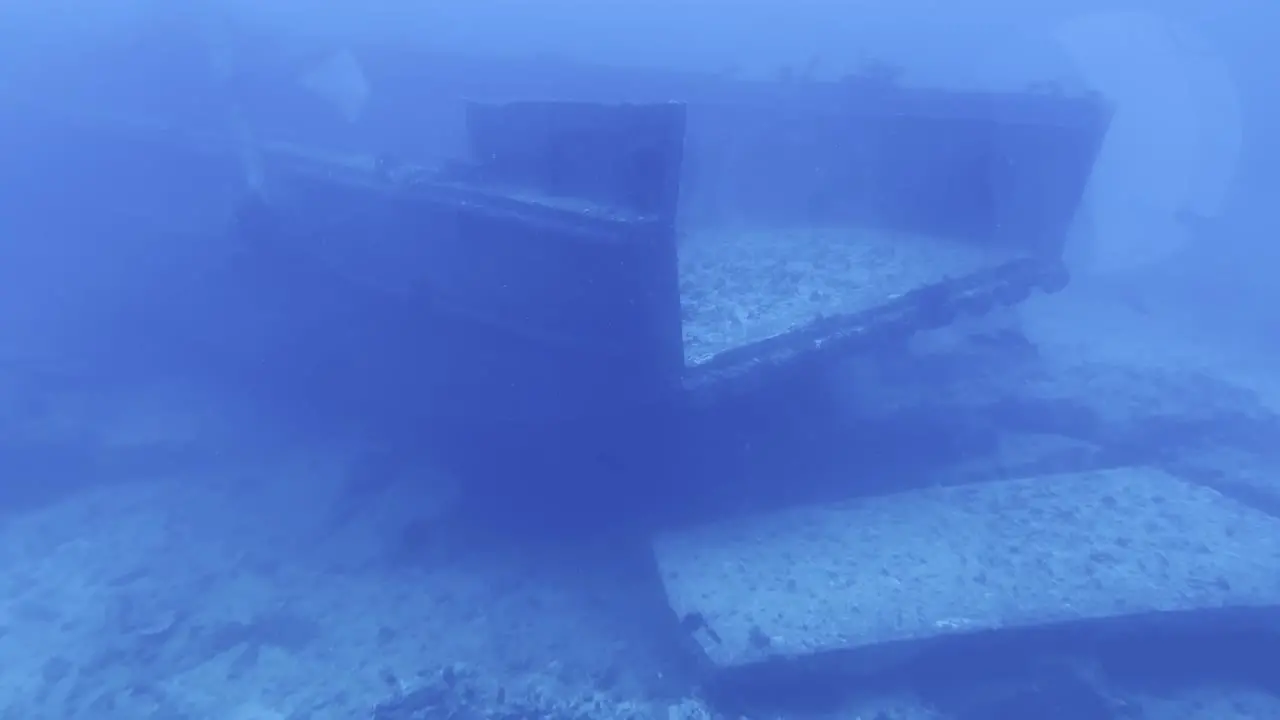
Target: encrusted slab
{"type": "Point", "coordinates": [738, 288]}
{"type": "Point", "coordinates": [900, 570]}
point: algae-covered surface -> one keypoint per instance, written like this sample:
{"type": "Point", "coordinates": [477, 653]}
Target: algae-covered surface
{"type": "Point", "coordinates": [741, 287]}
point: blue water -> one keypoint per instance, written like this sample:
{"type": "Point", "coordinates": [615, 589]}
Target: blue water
{"type": "Point", "coordinates": [268, 451]}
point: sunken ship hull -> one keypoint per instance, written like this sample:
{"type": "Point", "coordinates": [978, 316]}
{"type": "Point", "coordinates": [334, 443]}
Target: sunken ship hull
{"type": "Point", "coordinates": [602, 285]}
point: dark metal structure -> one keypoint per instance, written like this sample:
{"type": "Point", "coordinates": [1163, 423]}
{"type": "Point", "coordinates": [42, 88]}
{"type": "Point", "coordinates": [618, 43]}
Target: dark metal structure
{"type": "Point", "coordinates": [530, 302]}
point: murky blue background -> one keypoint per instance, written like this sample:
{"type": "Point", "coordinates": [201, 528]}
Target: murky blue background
{"type": "Point", "coordinates": [207, 512]}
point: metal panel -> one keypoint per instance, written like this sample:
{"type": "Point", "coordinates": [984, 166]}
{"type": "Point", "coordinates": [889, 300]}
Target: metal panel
{"type": "Point", "coordinates": [873, 578]}
{"type": "Point", "coordinates": [624, 156]}
{"type": "Point", "coordinates": [1007, 168]}
{"type": "Point", "coordinates": [510, 309]}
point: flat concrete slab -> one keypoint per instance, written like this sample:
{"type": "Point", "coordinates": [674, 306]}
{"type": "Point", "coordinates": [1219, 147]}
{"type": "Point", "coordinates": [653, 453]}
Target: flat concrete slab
{"type": "Point", "coordinates": [893, 573]}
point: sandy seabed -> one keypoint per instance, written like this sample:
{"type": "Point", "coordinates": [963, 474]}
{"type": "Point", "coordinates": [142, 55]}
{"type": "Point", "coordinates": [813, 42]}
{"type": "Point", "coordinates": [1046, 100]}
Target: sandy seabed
{"type": "Point", "coordinates": [219, 595]}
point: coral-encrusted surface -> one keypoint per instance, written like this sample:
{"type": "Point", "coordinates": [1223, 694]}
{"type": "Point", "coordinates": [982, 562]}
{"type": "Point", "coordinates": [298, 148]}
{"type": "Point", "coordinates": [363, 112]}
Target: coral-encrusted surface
{"type": "Point", "coordinates": [924, 565]}
{"type": "Point", "coordinates": [741, 287]}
